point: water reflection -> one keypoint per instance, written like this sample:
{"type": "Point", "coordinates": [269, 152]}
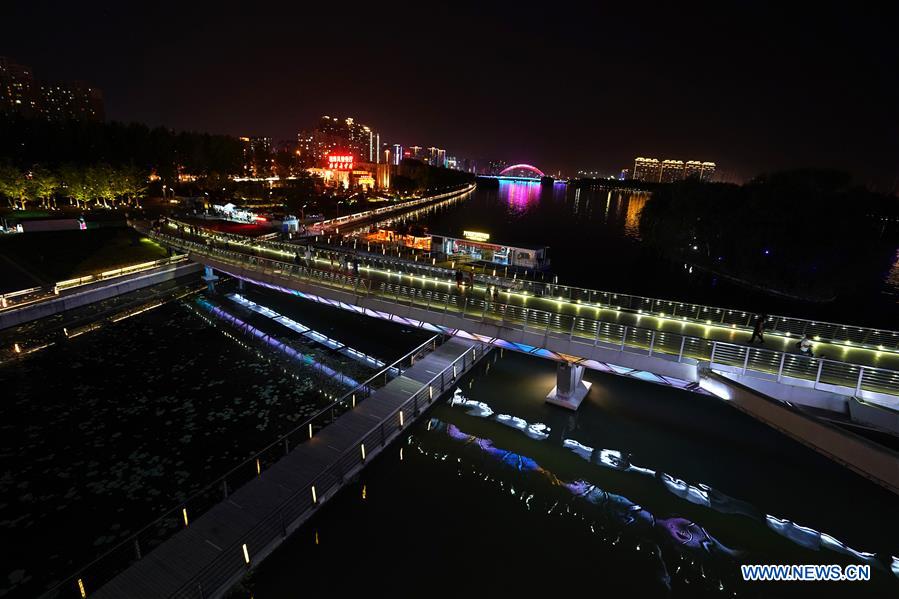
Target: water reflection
{"type": "Point", "coordinates": [611, 513]}
{"type": "Point", "coordinates": [700, 494]}
{"type": "Point", "coordinates": [520, 197]}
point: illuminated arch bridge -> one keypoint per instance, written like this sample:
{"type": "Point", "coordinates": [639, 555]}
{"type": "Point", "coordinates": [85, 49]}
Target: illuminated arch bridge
{"type": "Point", "coordinates": [521, 171]}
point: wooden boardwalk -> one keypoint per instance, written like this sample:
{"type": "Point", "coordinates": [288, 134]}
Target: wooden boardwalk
{"type": "Point", "coordinates": [206, 558]}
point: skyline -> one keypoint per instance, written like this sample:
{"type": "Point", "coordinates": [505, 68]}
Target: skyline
{"type": "Point", "coordinates": [778, 89]}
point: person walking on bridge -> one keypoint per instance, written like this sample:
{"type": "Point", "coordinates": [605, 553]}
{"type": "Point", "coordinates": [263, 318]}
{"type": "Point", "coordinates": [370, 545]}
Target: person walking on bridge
{"type": "Point", "coordinates": [759, 329]}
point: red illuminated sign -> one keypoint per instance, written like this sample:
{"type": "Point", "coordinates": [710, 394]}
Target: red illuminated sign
{"type": "Point", "coordinates": [340, 162]}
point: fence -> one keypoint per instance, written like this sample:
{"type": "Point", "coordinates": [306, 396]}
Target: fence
{"type": "Point", "coordinates": [763, 363]}
{"type": "Point", "coordinates": [844, 334]}
{"type": "Point", "coordinates": [18, 299]}
{"type": "Point", "coordinates": [133, 548]}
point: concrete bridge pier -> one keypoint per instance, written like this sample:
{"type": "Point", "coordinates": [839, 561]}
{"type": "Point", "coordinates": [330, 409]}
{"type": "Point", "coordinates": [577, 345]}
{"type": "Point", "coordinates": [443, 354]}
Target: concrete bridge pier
{"type": "Point", "coordinates": [241, 286]}
{"type": "Point", "coordinates": [570, 389]}
{"type": "Point", "coordinates": [210, 278]}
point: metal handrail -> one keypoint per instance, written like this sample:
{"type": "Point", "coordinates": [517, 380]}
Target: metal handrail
{"type": "Point", "coordinates": [340, 220]}
{"type": "Point", "coordinates": [655, 341]}
{"type": "Point", "coordinates": [338, 471]}
{"type": "Point", "coordinates": [128, 544]}
{"type": "Point", "coordinates": [837, 333]}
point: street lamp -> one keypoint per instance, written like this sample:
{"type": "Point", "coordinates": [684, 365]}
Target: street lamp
{"type": "Point", "coordinates": [338, 208]}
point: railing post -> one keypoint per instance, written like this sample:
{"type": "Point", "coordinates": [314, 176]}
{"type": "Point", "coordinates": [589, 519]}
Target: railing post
{"type": "Point", "coordinates": [858, 386]}
{"type": "Point", "coordinates": [746, 361]}
{"type": "Point", "coordinates": [820, 368]}
{"type": "Point", "coordinates": [571, 332]}
{"type": "Point", "coordinates": [780, 369]}
{"type": "Point", "coordinates": [596, 338]}
{"type": "Point", "coordinates": [623, 338]}
{"type": "Point", "coordinates": [137, 554]}
{"type": "Point", "coordinates": [652, 341]}
{"type": "Point", "coordinates": [712, 355]}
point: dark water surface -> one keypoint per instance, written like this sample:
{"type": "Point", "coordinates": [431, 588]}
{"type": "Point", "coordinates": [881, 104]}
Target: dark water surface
{"type": "Point", "coordinates": [102, 433]}
{"type": "Point", "coordinates": [594, 241]}
{"type": "Point", "coordinates": [474, 505]}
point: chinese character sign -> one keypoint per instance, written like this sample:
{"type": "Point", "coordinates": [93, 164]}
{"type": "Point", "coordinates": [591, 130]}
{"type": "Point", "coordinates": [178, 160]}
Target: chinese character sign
{"type": "Point", "coordinates": [340, 162]}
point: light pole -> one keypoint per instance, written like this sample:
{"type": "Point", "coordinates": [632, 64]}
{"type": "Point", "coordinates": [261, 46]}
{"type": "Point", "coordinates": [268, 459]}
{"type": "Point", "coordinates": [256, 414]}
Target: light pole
{"type": "Point", "coordinates": [338, 208]}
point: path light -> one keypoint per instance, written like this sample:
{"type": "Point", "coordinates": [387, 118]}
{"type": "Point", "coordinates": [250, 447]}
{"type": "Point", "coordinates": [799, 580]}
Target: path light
{"type": "Point", "coordinates": [81, 588]}
{"type": "Point", "coordinates": [258, 467]}
{"type": "Point", "coordinates": [362, 447]}
{"type": "Point", "coordinates": [310, 430]}
{"type": "Point", "coordinates": [401, 418]}
{"type": "Point", "coordinates": [314, 496]}
{"type": "Point", "coordinates": [184, 514]}
{"type": "Point", "coordinates": [246, 554]}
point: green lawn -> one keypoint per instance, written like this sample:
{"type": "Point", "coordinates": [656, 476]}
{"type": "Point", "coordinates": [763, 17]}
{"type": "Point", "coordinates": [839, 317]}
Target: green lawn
{"type": "Point", "coordinates": [58, 255]}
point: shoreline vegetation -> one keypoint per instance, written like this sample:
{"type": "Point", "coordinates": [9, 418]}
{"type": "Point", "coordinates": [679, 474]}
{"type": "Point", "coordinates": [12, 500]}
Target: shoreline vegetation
{"type": "Point", "coordinates": [805, 235]}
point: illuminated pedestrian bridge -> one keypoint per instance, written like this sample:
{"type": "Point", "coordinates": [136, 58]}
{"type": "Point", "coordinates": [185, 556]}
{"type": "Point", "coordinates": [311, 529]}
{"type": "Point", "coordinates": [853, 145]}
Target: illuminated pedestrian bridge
{"type": "Point", "coordinates": [521, 171]}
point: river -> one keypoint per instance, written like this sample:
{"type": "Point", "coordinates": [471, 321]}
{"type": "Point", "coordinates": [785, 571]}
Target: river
{"type": "Point", "coordinates": [594, 240]}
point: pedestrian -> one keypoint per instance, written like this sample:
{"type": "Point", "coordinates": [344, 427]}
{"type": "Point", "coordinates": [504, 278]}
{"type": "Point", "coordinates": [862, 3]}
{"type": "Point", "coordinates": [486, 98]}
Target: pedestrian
{"type": "Point", "coordinates": [495, 294]}
{"type": "Point", "coordinates": [356, 266]}
{"type": "Point", "coordinates": [459, 279]}
{"type": "Point", "coordinates": [759, 329]}
{"type": "Point", "coordinates": [805, 346]}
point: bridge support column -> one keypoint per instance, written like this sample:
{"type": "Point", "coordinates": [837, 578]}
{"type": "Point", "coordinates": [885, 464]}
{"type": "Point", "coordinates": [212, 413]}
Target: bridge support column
{"type": "Point", "coordinates": [240, 285]}
{"type": "Point", "coordinates": [570, 389]}
{"type": "Point", "coordinates": [210, 278]}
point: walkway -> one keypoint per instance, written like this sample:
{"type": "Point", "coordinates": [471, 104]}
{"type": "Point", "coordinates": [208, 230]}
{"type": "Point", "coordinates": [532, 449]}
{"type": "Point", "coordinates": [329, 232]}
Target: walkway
{"type": "Point", "coordinates": [212, 553]}
{"type": "Point", "coordinates": [662, 316]}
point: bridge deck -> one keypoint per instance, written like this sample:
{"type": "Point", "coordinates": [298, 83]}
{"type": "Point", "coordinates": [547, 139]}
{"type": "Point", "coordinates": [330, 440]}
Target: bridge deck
{"type": "Point", "coordinates": [194, 555]}
{"type": "Point", "coordinates": [410, 275]}
{"type": "Point", "coordinates": [387, 271]}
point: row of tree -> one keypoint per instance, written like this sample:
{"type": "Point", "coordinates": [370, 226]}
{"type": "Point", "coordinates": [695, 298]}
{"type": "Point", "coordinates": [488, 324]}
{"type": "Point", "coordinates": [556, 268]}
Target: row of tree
{"type": "Point", "coordinates": [24, 142]}
{"type": "Point", "coordinates": [101, 184]}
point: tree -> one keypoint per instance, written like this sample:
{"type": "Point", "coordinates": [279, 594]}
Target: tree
{"type": "Point", "coordinates": [134, 183]}
{"type": "Point", "coordinates": [14, 185]}
{"type": "Point", "coordinates": [75, 184]}
{"type": "Point", "coordinates": [43, 185]}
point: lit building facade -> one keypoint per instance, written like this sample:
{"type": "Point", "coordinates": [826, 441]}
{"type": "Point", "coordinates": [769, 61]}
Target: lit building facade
{"type": "Point", "coordinates": [667, 171]}
{"type": "Point", "coordinates": [21, 94]}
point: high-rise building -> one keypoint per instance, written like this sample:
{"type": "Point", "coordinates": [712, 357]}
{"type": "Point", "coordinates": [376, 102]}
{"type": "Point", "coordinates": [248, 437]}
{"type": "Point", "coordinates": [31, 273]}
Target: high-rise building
{"type": "Point", "coordinates": [647, 169]}
{"type": "Point", "coordinates": [666, 171]}
{"type": "Point", "coordinates": [347, 135]}
{"type": "Point", "coordinates": [396, 154]}
{"type": "Point", "coordinates": [76, 101]}
{"type": "Point", "coordinates": [416, 153]}
{"type": "Point", "coordinates": [258, 156]}
{"type": "Point", "coordinates": [20, 94]}
{"type": "Point", "coordinates": [672, 170]}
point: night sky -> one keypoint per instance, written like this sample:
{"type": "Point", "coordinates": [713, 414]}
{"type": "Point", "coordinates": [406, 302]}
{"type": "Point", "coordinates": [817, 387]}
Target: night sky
{"type": "Point", "coordinates": [749, 85]}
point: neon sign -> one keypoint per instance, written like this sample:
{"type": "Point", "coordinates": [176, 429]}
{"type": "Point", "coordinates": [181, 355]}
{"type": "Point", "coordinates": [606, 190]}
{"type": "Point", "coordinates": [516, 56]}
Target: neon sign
{"type": "Point", "coordinates": [340, 162]}
{"type": "Point", "coordinates": [476, 235]}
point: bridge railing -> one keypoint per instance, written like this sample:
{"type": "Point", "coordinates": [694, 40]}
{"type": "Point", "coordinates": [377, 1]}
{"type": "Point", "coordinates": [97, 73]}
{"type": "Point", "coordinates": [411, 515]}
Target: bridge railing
{"type": "Point", "coordinates": [136, 546]}
{"type": "Point", "coordinates": [751, 361]}
{"type": "Point", "coordinates": [240, 556]}
{"type": "Point", "coordinates": [843, 334]}
{"type": "Point", "coordinates": [23, 297]}
{"type": "Point", "coordinates": [357, 216]}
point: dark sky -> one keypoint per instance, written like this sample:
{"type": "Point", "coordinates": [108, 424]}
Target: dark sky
{"type": "Point", "coordinates": [749, 85]}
